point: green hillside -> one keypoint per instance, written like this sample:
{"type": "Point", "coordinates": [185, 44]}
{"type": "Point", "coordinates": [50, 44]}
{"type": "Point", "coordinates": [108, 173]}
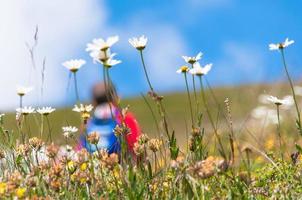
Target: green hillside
{"type": "Point", "coordinates": [243, 99]}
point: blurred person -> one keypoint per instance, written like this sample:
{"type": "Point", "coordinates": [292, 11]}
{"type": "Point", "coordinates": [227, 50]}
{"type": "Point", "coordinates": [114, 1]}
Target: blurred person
{"type": "Point", "coordinates": [105, 118]}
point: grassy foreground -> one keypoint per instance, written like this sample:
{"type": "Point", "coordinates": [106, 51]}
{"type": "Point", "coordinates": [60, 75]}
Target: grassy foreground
{"type": "Point", "coordinates": [225, 143]}
{"type": "Point", "coordinates": [212, 177]}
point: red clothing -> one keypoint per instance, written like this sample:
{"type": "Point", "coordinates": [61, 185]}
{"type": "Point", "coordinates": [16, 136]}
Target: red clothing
{"type": "Point", "coordinates": [135, 130]}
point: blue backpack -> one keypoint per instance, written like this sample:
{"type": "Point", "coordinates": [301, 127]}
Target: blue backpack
{"type": "Point", "coordinates": [107, 140]}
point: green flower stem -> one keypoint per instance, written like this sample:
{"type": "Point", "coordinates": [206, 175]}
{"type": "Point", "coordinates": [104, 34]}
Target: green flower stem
{"type": "Point", "coordinates": [248, 165]}
{"type": "Point", "coordinates": [159, 104]}
{"type": "Point", "coordinates": [42, 126]}
{"type": "Point", "coordinates": [21, 101]}
{"type": "Point", "coordinates": [279, 132]}
{"type": "Point", "coordinates": [21, 129]}
{"type": "Point", "coordinates": [76, 87]}
{"type": "Point", "coordinates": [194, 87]}
{"type": "Point", "coordinates": [292, 88]}
{"type": "Point", "coordinates": [189, 98]}
{"type": "Point", "coordinates": [195, 93]}
{"type": "Point", "coordinates": [145, 70]}
{"type": "Point", "coordinates": [27, 125]}
{"type": "Point", "coordinates": [97, 149]}
{"type": "Point", "coordinates": [108, 80]}
{"type": "Point", "coordinates": [49, 129]}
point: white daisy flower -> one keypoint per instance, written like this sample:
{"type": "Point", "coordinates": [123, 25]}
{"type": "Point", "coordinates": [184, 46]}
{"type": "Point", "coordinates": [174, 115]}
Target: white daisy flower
{"type": "Point", "coordinates": [139, 43]}
{"type": "Point", "coordinates": [41, 154]}
{"type": "Point", "coordinates": [105, 59]}
{"type": "Point", "coordinates": [68, 148]}
{"type": "Point", "coordinates": [260, 112]}
{"type": "Point", "coordinates": [68, 131]}
{"type": "Point", "coordinates": [25, 110]}
{"type": "Point", "coordinates": [200, 71]}
{"type": "Point", "coordinates": [111, 62]}
{"type": "Point", "coordinates": [83, 108]}
{"type": "Point", "coordinates": [18, 115]}
{"type": "Point", "coordinates": [45, 110]}
{"type": "Point", "coordinates": [67, 151]}
{"type": "Point", "coordinates": [183, 69]}
{"type": "Point", "coordinates": [74, 65]}
{"type": "Point", "coordinates": [192, 60]}
{"type": "Point", "coordinates": [272, 117]}
{"type": "Point", "coordinates": [288, 101]}
{"type": "Point", "coordinates": [101, 44]}
{"type": "Point", "coordinates": [101, 56]}
{"type": "Point", "coordinates": [278, 102]}
{"type": "Point", "coordinates": [281, 45]}
{"type": "Point", "coordinates": [266, 115]}
{"type": "Point", "coordinates": [22, 90]}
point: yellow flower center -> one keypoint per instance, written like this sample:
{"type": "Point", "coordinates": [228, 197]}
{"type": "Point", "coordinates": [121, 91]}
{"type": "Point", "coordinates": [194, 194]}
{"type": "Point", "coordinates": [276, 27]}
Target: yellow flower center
{"type": "Point", "coordinates": [85, 115]}
{"type": "Point", "coordinates": [74, 69]}
{"type": "Point", "coordinates": [21, 94]}
{"type": "Point", "coordinates": [184, 68]}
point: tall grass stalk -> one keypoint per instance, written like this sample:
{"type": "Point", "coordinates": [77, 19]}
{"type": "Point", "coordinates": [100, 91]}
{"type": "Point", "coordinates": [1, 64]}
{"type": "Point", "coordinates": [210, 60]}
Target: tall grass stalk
{"type": "Point", "coordinates": [152, 113]}
{"type": "Point", "coordinates": [231, 134]}
{"type": "Point", "coordinates": [222, 151]}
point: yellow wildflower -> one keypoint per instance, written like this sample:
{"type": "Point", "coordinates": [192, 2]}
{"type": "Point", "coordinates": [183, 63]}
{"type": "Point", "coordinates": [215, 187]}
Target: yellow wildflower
{"type": "Point", "coordinates": [259, 159]}
{"type": "Point", "coordinates": [116, 172]}
{"type": "Point", "coordinates": [71, 166]}
{"type": "Point", "coordinates": [3, 187]}
{"type": "Point", "coordinates": [83, 166]}
{"type": "Point", "coordinates": [20, 192]}
{"type": "Point", "coordinates": [269, 144]}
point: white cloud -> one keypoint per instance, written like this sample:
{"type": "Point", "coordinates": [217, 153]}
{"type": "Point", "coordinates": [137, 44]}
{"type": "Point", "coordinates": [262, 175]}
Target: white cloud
{"type": "Point", "coordinates": [58, 22]}
{"type": "Point", "coordinates": [164, 57]}
{"type": "Point", "coordinates": [64, 28]}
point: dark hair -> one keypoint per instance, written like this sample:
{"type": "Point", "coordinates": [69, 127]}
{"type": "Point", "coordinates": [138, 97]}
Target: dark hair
{"type": "Point", "coordinates": [104, 93]}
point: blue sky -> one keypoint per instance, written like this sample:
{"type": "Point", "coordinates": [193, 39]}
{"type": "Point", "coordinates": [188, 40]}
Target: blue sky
{"type": "Point", "coordinates": [233, 35]}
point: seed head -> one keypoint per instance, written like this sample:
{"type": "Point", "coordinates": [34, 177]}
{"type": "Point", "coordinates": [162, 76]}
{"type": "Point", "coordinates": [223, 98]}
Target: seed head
{"type": "Point", "coordinates": [93, 138]}
{"type": "Point", "coordinates": [154, 144]}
